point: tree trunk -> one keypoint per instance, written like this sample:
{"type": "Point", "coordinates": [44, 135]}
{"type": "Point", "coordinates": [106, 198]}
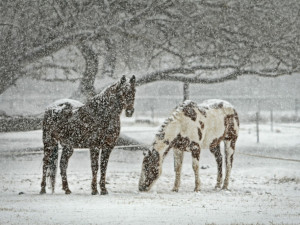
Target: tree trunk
{"type": "Point", "coordinates": [109, 63]}
{"type": "Point", "coordinates": [9, 66]}
{"type": "Point", "coordinates": [86, 86]}
{"type": "Point", "coordinates": [186, 91]}
{"type": "Point", "coordinates": [9, 75]}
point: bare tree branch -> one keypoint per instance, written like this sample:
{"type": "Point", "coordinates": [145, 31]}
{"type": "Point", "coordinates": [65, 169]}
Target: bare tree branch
{"type": "Point", "coordinates": [50, 65]}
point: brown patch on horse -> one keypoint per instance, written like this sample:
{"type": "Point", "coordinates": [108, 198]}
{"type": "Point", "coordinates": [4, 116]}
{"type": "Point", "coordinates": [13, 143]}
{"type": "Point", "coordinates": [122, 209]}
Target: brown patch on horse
{"type": "Point", "coordinates": [180, 142]}
{"type": "Point", "coordinates": [220, 105]}
{"type": "Point", "coordinates": [215, 142]}
{"type": "Point", "coordinates": [231, 133]}
{"type": "Point", "coordinates": [199, 134]}
{"type": "Point", "coordinates": [195, 149]}
{"type": "Point", "coordinates": [160, 135]}
{"type": "Point", "coordinates": [231, 160]}
{"type": "Point", "coordinates": [166, 152]}
{"type": "Point", "coordinates": [236, 117]}
{"type": "Point", "coordinates": [201, 124]}
{"type": "Point", "coordinates": [217, 105]}
{"type": "Point", "coordinates": [202, 111]}
{"type": "Point", "coordinates": [190, 112]}
{"type": "Point", "coordinates": [151, 163]}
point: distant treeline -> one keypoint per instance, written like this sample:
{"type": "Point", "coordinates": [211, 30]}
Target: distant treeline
{"type": "Point", "coordinates": [20, 123]}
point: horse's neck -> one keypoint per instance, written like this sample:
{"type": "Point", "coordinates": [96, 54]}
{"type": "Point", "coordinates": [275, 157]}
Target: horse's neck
{"type": "Point", "coordinates": [103, 106]}
{"type": "Point", "coordinates": [165, 137]}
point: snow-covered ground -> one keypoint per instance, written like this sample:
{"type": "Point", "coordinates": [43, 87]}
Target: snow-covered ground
{"type": "Point", "coordinates": [262, 190]}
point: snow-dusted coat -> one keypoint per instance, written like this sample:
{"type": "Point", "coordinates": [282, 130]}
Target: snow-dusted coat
{"type": "Point", "coordinates": [94, 125]}
{"type": "Point", "coordinates": [190, 128]}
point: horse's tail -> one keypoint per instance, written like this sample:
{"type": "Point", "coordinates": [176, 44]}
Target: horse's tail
{"type": "Point", "coordinates": [52, 166]}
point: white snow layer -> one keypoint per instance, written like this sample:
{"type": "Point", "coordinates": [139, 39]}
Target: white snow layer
{"type": "Point", "coordinates": [264, 191]}
{"type": "Point", "coordinates": [58, 105]}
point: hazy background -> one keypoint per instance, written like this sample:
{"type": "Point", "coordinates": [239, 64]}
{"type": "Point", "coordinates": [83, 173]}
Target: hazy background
{"type": "Point", "coordinates": [248, 94]}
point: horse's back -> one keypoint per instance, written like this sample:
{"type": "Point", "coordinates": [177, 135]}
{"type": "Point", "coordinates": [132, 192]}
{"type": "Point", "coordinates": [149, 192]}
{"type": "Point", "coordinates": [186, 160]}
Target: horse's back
{"type": "Point", "coordinates": [62, 103]}
{"type": "Point", "coordinates": [56, 115]}
{"type": "Point", "coordinates": [218, 115]}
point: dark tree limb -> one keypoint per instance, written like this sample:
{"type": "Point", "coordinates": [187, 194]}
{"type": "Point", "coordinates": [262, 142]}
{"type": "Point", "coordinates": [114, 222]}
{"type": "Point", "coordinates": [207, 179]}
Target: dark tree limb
{"type": "Point", "coordinates": [110, 59]}
{"type": "Point", "coordinates": [187, 75]}
{"type": "Point", "coordinates": [86, 86]}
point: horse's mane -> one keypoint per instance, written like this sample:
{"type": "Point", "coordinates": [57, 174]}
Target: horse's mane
{"type": "Point", "coordinates": [104, 93]}
{"type": "Point", "coordinates": [176, 112]}
{"type": "Point", "coordinates": [101, 103]}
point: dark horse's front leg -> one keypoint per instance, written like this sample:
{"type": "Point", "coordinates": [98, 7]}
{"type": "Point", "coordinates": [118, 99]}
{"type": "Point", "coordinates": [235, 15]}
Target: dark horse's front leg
{"type": "Point", "coordinates": [103, 165]}
{"type": "Point", "coordinates": [94, 153]}
{"type": "Point", "coordinates": [67, 152]}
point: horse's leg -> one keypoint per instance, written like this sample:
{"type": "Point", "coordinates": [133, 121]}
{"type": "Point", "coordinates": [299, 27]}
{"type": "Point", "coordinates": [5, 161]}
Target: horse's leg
{"type": "Point", "coordinates": [217, 153]}
{"type": "Point", "coordinates": [67, 152]}
{"type": "Point", "coordinates": [53, 166]}
{"type": "Point", "coordinates": [46, 160]}
{"type": "Point", "coordinates": [178, 159]}
{"type": "Point", "coordinates": [195, 149]}
{"type": "Point", "coordinates": [49, 152]}
{"type": "Point", "coordinates": [105, 153]}
{"type": "Point", "coordinates": [94, 153]}
{"type": "Point", "coordinates": [229, 152]}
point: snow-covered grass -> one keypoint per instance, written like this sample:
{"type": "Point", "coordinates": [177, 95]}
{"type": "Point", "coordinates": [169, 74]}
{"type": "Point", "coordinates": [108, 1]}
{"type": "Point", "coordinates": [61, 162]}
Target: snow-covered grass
{"type": "Point", "coordinates": [264, 191]}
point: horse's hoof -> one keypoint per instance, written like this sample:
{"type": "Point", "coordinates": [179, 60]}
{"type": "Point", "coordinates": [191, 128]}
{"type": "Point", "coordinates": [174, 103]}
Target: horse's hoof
{"type": "Point", "coordinates": [67, 192]}
{"type": "Point", "coordinates": [175, 189]}
{"type": "Point", "coordinates": [95, 192]}
{"type": "Point", "coordinates": [104, 192]}
{"type": "Point", "coordinates": [43, 191]}
{"type": "Point", "coordinates": [217, 186]}
{"type": "Point", "coordinates": [225, 188]}
{"type": "Point", "coordinates": [197, 190]}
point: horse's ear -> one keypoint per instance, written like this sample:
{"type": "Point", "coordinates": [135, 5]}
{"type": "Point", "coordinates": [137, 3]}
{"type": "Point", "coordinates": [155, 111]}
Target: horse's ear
{"type": "Point", "coordinates": [144, 152]}
{"type": "Point", "coordinates": [123, 79]}
{"type": "Point", "coordinates": [132, 79]}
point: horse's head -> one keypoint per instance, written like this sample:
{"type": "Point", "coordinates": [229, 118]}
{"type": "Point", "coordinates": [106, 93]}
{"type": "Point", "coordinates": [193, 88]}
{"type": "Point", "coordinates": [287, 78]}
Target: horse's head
{"type": "Point", "coordinates": [150, 170]}
{"type": "Point", "coordinates": [126, 90]}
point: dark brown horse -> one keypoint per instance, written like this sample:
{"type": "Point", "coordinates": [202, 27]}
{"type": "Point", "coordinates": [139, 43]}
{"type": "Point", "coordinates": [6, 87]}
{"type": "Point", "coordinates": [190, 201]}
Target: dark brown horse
{"type": "Point", "coordinates": [95, 125]}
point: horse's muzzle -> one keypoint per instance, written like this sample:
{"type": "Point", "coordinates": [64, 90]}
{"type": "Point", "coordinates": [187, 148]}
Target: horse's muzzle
{"type": "Point", "coordinates": [129, 112]}
{"type": "Point", "coordinates": [142, 188]}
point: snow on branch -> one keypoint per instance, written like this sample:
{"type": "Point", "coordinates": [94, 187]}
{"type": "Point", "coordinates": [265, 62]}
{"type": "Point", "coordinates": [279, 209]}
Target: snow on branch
{"type": "Point", "coordinates": [53, 66]}
{"type": "Point", "coordinates": [58, 43]}
{"type": "Point", "coordinates": [187, 75]}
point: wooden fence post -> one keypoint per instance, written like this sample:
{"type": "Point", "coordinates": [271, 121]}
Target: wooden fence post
{"type": "Point", "coordinates": [257, 126]}
{"type": "Point", "coordinates": [296, 107]}
{"type": "Point", "coordinates": [186, 91]}
{"type": "Point", "coordinates": [152, 114]}
{"type": "Point", "coordinates": [271, 116]}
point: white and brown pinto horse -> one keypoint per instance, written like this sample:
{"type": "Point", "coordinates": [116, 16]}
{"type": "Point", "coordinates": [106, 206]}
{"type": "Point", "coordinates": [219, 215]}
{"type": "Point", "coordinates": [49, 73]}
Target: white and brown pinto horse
{"type": "Point", "coordinates": [191, 128]}
{"type": "Point", "coordinates": [94, 125]}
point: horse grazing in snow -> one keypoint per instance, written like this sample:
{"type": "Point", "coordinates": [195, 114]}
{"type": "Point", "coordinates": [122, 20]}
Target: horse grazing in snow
{"type": "Point", "coordinates": [94, 125]}
{"type": "Point", "coordinates": [191, 128]}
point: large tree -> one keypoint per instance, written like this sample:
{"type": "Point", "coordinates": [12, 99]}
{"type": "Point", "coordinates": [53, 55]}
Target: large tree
{"type": "Point", "coordinates": [199, 41]}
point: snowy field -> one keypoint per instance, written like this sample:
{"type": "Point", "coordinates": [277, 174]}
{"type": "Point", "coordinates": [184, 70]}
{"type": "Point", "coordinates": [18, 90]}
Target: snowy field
{"type": "Point", "coordinates": [262, 190]}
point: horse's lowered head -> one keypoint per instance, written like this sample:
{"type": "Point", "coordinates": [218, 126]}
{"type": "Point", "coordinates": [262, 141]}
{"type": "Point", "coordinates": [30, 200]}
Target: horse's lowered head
{"type": "Point", "coordinates": [126, 91]}
{"type": "Point", "coordinates": [151, 170]}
